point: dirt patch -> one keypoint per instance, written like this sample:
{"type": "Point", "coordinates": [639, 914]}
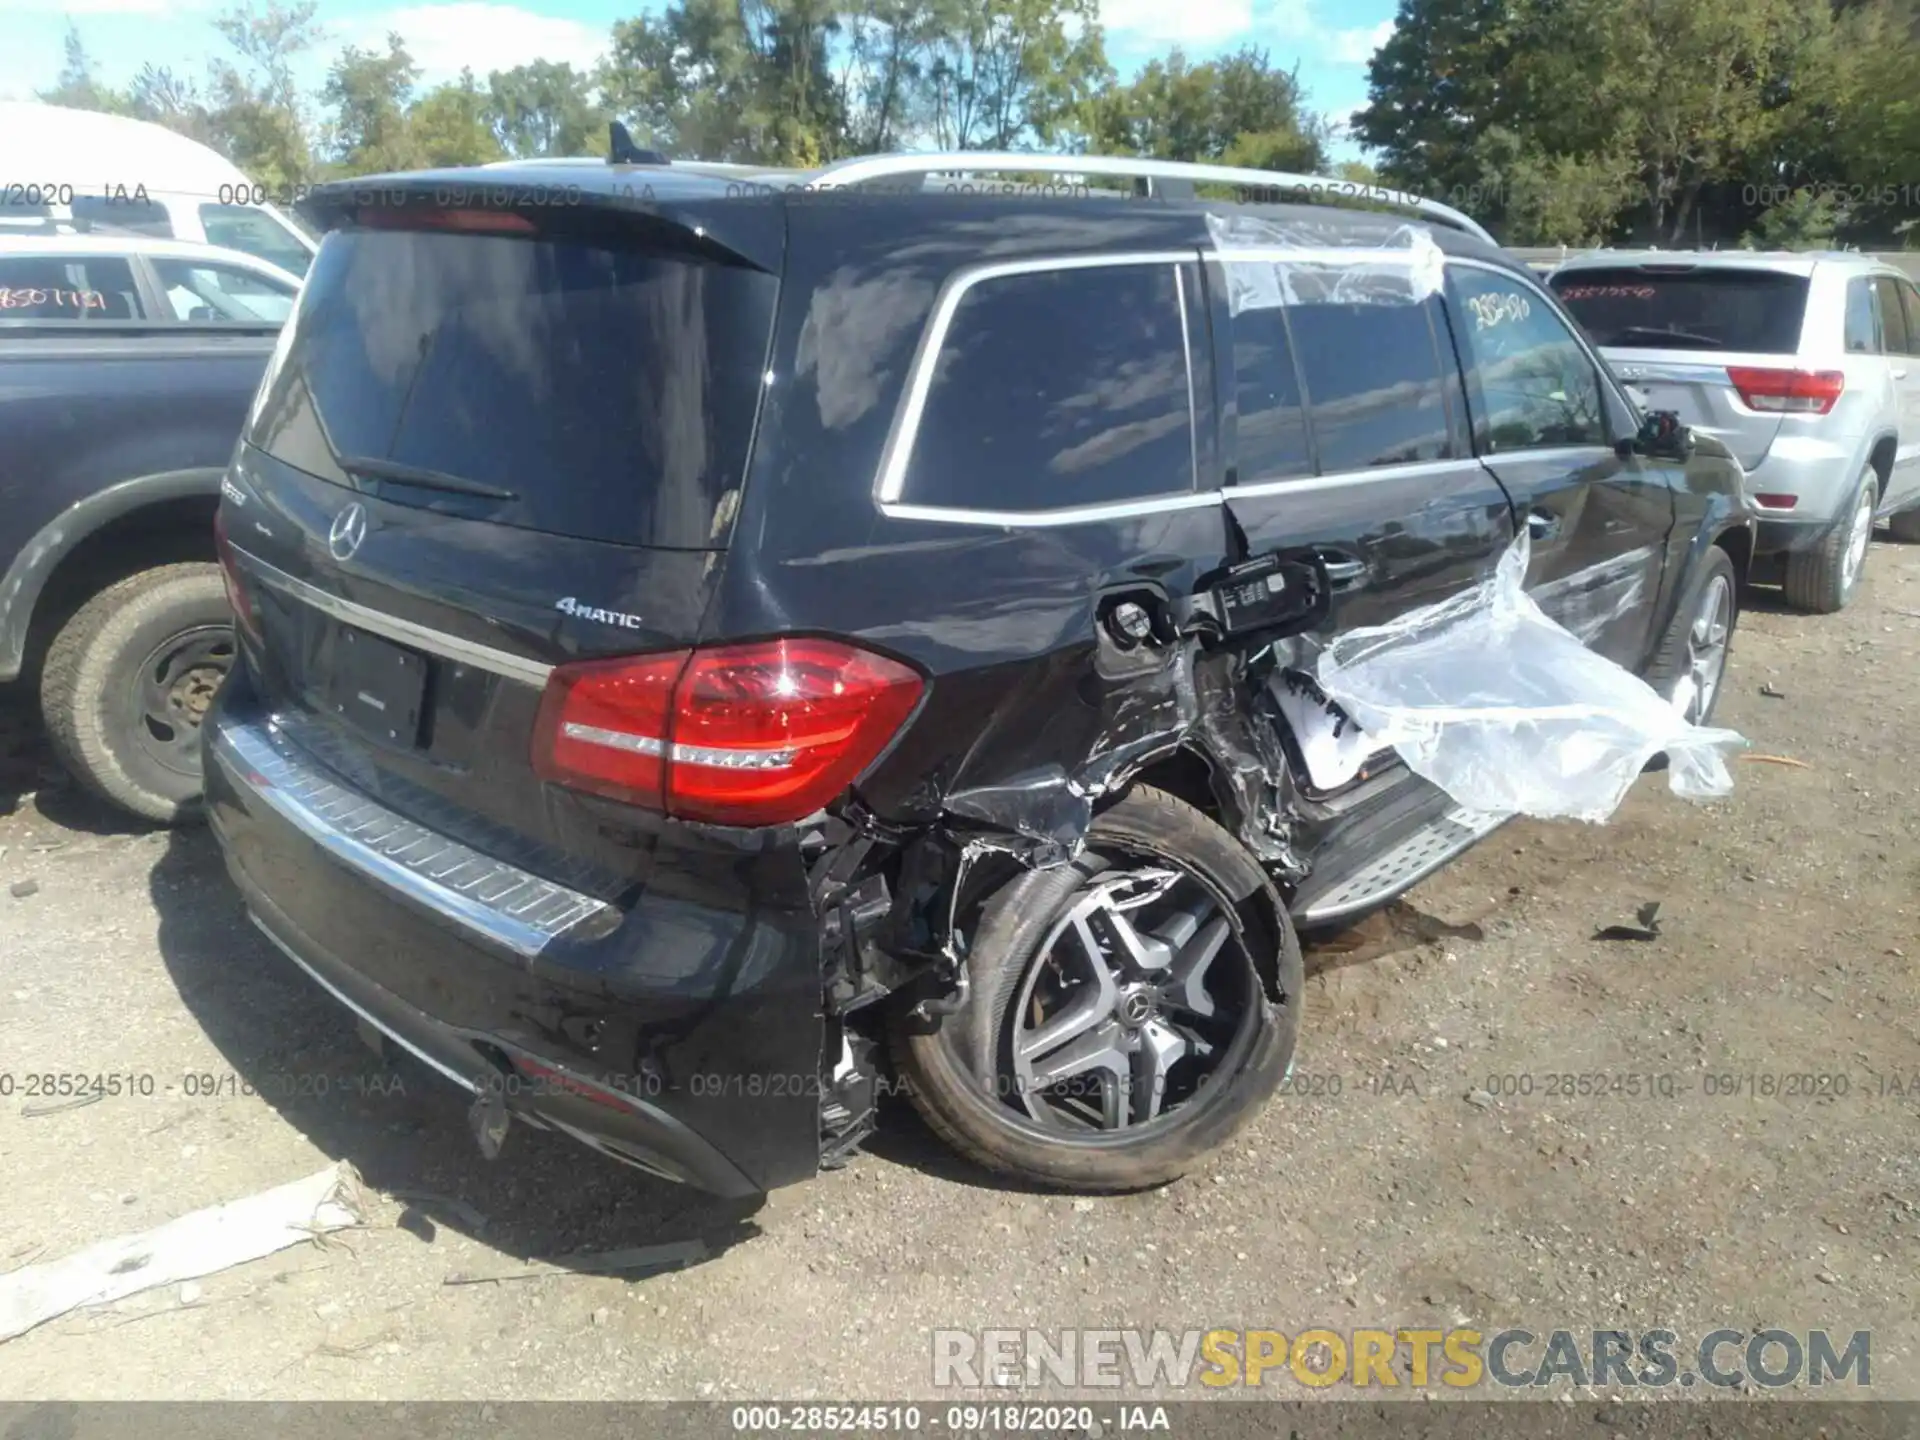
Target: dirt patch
{"type": "Point", "coordinates": [1465, 1141]}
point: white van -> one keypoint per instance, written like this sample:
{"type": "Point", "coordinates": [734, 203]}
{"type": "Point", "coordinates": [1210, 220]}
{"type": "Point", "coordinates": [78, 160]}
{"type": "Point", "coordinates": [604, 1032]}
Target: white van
{"type": "Point", "coordinates": [60, 166]}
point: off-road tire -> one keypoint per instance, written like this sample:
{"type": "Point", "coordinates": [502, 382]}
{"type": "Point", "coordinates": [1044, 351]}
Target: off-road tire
{"type": "Point", "coordinates": [1013, 923]}
{"type": "Point", "coordinates": [1816, 579]}
{"type": "Point", "coordinates": [91, 675]}
{"type": "Point", "coordinates": [1673, 659]}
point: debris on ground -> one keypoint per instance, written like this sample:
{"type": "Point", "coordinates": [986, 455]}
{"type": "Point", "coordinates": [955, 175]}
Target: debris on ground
{"type": "Point", "coordinates": [644, 1258]}
{"type": "Point", "coordinates": [1771, 693]}
{"type": "Point", "coordinates": [21, 889]}
{"type": "Point", "coordinates": [201, 1243]}
{"type": "Point", "coordinates": [1648, 929]}
{"type": "Point", "coordinates": [1775, 760]}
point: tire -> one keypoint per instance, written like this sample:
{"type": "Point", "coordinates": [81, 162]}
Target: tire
{"type": "Point", "coordinates": [1906, 526]}
{"type": "Point", "coordinates": [1823, 578]}
{"type": "Point", "coordinates": [128, 678]}
{"type": "Point", "coordinates": [956, 1067]}
{"type": "Point", "coordinates": [1690, 639]}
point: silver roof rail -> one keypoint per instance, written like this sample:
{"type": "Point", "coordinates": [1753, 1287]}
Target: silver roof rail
{"type": "Point", "coordinates": [876, 167]}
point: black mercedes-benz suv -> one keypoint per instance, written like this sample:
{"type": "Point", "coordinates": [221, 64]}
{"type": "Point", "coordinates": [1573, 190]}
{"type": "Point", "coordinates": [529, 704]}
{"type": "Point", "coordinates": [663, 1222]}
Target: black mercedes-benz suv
{"type": "Point", "coordinates": [710, 648]}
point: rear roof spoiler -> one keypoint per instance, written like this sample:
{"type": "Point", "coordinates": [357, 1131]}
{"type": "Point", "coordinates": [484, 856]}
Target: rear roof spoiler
{"type": "Point", "coordinates": [683, 212]}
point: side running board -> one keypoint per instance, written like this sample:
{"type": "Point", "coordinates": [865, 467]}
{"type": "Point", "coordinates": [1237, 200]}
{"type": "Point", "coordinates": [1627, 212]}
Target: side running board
{"type": "Point", "coordinates": [1324, 899]}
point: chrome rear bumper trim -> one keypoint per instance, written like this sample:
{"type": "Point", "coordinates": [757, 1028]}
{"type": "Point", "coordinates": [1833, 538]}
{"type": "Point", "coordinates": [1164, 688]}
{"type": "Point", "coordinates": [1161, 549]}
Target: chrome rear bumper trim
{"type": "Point", "coordinates": [500, 902]}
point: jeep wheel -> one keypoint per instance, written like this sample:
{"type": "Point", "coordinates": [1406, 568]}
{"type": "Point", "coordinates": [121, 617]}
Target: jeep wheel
{"type": "Point", "coordinates": [1691, 662]}
{"type": "Point", "coordinates": [1823, 577]}
{"type": "Point", "coordinates": [1116, 1030]}
{"type": "Point", "coordinates": [127, 681]}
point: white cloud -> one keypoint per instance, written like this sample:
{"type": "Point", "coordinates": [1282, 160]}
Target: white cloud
{"type": "Point", "coordinates": [1356, 47]}
{"type": "Point", "coordinates": [480, 33]}
{"type": "Point", "coordinates": [1192, 23]}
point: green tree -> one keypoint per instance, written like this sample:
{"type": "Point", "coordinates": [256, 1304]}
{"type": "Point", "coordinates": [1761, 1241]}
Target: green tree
{"type": "Point", "coordinates": [744, 80]}
{"type": "Point", "coordinates": [369, 93]}
{"type": "Point", "coordinates": [257, 113]}
{"type": "Point", "coordinates": [546, 108]}
{"type": "Point", "coordinates": [1432, 88]}
{"type": "Point", "coordinates": [451, 125]}
{"type": "Point", "coordinates": [159, 95]}
{"type": "Point", "coordinates": [1006, 73]}
{"type": "Point", "coordinates": [77, 88]}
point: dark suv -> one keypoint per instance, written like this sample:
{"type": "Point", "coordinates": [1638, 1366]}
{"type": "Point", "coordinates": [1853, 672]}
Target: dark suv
{"type": "Point", "coordinates": [709, 648]}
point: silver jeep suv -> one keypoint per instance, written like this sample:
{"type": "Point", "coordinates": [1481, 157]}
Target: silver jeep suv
{"type": "Point", "coordinates": [1807, 366]}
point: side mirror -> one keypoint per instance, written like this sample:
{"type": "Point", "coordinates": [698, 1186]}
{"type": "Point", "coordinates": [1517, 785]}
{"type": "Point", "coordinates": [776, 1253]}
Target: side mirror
{"type": "Point", "coordinates": [1662, 436]}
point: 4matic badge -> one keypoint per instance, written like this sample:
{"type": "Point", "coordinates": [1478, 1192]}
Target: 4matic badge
{"type": "Point", "coordinates": [606, 617]}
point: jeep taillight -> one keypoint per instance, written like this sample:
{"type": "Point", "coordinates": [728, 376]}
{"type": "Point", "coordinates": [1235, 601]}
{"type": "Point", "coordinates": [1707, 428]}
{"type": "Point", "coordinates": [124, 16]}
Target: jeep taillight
{"type": "Point", "coordinates": [1787, 392]}
{"type": "Point", "coordinates": [756, 734]}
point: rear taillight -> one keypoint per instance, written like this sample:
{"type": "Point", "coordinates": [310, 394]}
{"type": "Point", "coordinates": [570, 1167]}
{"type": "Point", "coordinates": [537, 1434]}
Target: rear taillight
{"type": "Point", "coordinates": [756, 734]}
{"type": "Point", "coordinates": [1776, 502]}
{"type": "Point", "coordinates": [239, 599]}
{"type": "Point", "coordinates": [1787, 392]}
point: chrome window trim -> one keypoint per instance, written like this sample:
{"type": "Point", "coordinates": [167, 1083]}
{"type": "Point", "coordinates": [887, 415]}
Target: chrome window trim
{"type": "Point", "coordinates": [891, 478]}
{"type": "Point", "coordinates": [1306, 484]}
{"type": "Point", "coordinates": [401, 855]}
{"type": "Point", "coordinates": [1186, 352]}
{"type": "Point", "coordinates": [404, 632]}
{"type": "Point", "coordinates": [1039, 519]}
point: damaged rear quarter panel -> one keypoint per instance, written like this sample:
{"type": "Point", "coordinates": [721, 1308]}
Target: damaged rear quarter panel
{"type": "Point", "coordinates": [1027, 716]}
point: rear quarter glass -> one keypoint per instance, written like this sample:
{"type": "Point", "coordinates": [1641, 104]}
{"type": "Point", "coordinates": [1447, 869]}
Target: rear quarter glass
{"type": "Point", "coordinates": [1717, 308]}
{"type": "Point", "coordinates": [611, 389]}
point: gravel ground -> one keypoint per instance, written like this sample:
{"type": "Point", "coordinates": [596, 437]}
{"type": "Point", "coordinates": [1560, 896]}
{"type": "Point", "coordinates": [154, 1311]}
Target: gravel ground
{"type": "Point", "coordinates": [1422, 1193]}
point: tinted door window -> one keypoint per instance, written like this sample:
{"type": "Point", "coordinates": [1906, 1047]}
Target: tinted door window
{"type": "Point", "coordinates": [1529, 384]}
{"type": "Point", "coordinates": [200, 292]}
{"type": "Point", "coordinates": [79, 288]}
{"type": "Point", "coordinates": [1058, 389]}
{"type": "Point", "coordinates": [1893, 320]}
{"type": "Point", "coordinates": [1272, 425]}
{"type": "Point", "coordinates": [1863, 320]}
{"type": "Point", "coordinates": [1910, 299]}
{"type": "Point", "coordinates": [254, 232]}
{"type": "Point", "coordinates": [1718, 307]}
{"type": "Point", "coordinates": [1373, 378]}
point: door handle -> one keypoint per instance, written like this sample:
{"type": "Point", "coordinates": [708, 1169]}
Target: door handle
{"type": "Point", "coordinates": [1343, 571]}
{"type": "Point", "coordinates": [1543, 524]}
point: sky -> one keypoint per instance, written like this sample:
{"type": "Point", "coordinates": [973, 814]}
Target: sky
{"type": "Point", "coordinates": [1330, 39]}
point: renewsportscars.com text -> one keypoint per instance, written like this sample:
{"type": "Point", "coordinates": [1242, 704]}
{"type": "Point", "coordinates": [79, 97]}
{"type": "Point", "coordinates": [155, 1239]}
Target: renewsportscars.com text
{"type": "Point", "coordinates": [1398, 1358]}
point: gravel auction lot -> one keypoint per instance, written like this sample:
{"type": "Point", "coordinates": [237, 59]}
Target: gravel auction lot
{"type": "Point", "coordinates": [1772, 1179]}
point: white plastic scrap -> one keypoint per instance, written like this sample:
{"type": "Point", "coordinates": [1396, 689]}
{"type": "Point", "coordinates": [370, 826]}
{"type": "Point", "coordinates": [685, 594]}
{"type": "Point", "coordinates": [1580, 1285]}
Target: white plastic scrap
{"type": "Point", "coordinates": [1270, 263]}
{"type": "Point", "coordinates": [1510, 713]}
{"type": "Point", "coordinates": [197, 1244]}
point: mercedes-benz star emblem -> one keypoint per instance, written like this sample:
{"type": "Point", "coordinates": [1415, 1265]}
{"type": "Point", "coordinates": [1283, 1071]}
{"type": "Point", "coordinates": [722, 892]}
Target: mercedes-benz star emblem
{"type": "Point", "coordinates": [349, 530]}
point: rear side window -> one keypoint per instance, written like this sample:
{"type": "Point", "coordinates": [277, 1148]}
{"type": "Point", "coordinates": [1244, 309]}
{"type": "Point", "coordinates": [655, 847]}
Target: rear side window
{"type": "Point", "coordinates": [1058, 389]}
{"type": "Point", "coordinates": [254, 232]}
{"type": "Point", "coordinates": [1863, 323]}
{"type": "Point", "coordinates": [141, 216]}
{"type": "Point", "coordinates": [1374, 379]}
{"type": "Point", "coordinates": [1271, 424]}
{"type": "Point", "coordinates": [1893, 320]}
{"type": "Point", "coordinates": [1704, 308]}
{"type": "Point", "coordinates": [1529, 383]}
{"type": "Point", "coordinates": [215, 291]}
{"type": "Point", "coordinates": [611, 391]}
{"type": "Point", "coordinates": [79, 288]}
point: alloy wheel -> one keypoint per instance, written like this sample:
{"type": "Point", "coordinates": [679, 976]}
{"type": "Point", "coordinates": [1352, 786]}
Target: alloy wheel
{"type": "Point", "coordinates": [1130, 1003]}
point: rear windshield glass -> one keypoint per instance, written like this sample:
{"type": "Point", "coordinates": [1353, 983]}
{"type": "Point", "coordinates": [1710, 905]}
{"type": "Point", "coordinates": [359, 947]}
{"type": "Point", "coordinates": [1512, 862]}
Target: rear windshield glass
{"type": "Point", "coordinates": [597, 392]}
{"type": "Point", "coordinates": [1756, 311]}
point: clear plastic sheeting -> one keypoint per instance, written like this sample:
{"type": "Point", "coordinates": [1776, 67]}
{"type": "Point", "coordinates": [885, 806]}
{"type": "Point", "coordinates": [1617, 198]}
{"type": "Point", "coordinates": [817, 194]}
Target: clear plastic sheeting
{"type": "Point", "coordinates": [1509, 713]}
{"type": "Point", "coordinates": [1270, 263]}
